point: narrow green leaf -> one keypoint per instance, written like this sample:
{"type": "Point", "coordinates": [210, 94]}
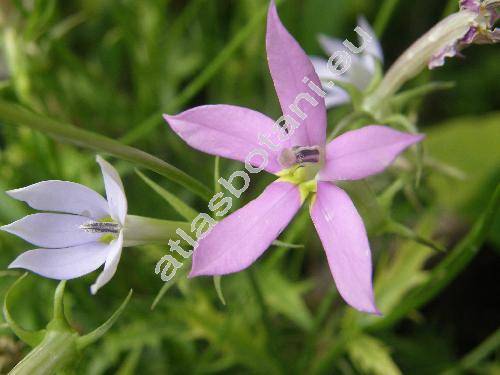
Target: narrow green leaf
{"type": "Point", "coordinates": [386, 198]}
{"type": "Point", "coordinates": [129, 366]}
{"type": "Point", "coordinates": [488, 346]}
{"type": "Point", "coordinates": [217, 187]}
{"type": "Point", "coordinates": [405, 270]}
{"type": "Point", "coordinates": [90, 338]}
{"type": "Point", "coordinates": [404, 123]}
{"type": "Point", "coordinates": [405, 232]}
{"type": "Point", "coordinates": [355, 94]}
{"type": "Point", "coordinates": [286, 297]}
{"type": "Point", "coordinates": [16, 114]}
{"type": "Point", "coordinates": [371, 356]}
{"type": "Point", "coordinates": [218, 289]}
{"type": "Point", "coordinates": [29, 337]}
{"type": "Point", "coordinates": [164, 289]}
{"type": "Point", "coordinates": [178, 205]}
{"type": "Point", "coordinates": [346, 123]}
{"type": "Point", "coordinates": [448, 268]}
{"type": "Point", "coordinates": [384, 15]}
{"type": "Point", "coordinates": [59, 318]}
{"type": "Point", "coordinates": [406, 96]}
{"type": "Point", "coordinates": [377, 77]}
{"type": "Point", "coordinates": [287, 245]}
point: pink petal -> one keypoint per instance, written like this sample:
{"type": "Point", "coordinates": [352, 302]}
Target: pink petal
{"type": "Point", "coordinates": [238, 240]}
{"type": "Point", "coordinates": [344, 239]}
{"type": "Point", "coordinates": [289, 65]}
{"type": "Point", "coordinates": [364, 152]}
{"type": "Point", "coordinates": [225, 130]}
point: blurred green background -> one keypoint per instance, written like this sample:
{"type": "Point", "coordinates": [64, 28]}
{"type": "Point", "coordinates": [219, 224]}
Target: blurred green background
{"type": "Point", "coordinates": [114, 66]}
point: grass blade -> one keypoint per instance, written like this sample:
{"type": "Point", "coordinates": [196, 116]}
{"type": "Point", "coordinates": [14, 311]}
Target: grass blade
{"type": "Point", "coordinates": [16, 114]}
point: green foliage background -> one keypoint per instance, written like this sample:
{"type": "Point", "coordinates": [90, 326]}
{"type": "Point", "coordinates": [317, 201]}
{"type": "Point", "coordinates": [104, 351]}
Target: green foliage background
{"type": "Point", "coordinates": [114, 66]}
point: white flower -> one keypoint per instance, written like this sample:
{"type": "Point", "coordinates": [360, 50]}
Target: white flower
{"type": "Point", "coordinates": [82, 231]}
{"type": "Point", "coordinates": [361, 71]}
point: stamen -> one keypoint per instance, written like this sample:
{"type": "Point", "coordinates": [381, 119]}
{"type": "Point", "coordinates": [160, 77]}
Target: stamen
{"type": "Point", "coordinates": [307, 155]}
{"type": "Point", "coordinates": [300, 155]}
{"type": "Point", "coordinates": [100, 227]}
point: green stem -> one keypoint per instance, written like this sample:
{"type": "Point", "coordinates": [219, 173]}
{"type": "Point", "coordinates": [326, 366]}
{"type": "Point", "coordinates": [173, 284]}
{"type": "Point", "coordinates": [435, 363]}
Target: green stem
{"type": "Point", "coordinates": [312, 338]}
{"type": "Point", "coordinates": [325, 364]}
{"type": "Point", "coordinates": [186, 211]}
{"type": "Point", "coordinates": [417, 56]}
{"type": "Point", "coordinates": [57, 351]}
{"type": "Point", "coordinates": [139, 230]}
{"type": "Point", "coordinates": [384, 15]}
{"type": "Point", "coordinates": [84, 341]}
{"type": "Point", "coordinates": [217, 187]}
{"type": "Point", "coordinates": [405, 232]}
{"type": "Point", "coordinates": [265, 316]}
{"type": "Point", "coordinates": [260, 300]}
{"type": "Point", "coordinates": [481, 352]}
{"type": "Point", "coordinates": [420, 91]}
{"type": "Point", "coordinates": [344, 123]}
{"type": "Point", "coordinates": [13, 113]}
{"type": "Point", "coordinates": [59, 318]}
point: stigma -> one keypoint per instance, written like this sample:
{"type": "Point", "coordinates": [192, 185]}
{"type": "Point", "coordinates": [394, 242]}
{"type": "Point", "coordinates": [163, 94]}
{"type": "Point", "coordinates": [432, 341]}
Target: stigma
{"type": "Point", "coordinates": [300, 155]}
{"type": "Point", "coordinates": [100, 227]}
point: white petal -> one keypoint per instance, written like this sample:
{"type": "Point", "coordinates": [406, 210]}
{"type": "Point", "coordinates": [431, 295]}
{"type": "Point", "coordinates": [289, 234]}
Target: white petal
{"type": "Point", "coordinates": [374, 48]}
{"type": "Point", "coordinates": [52, 230]}
{"type": "Point", "coordinates": [63, 264]}
{"type": "Point", "coordinates": [63, 196]}
{"type": "Point", "coordinates": [336, 97]}
{"type": "Point", "coordinates": [115, 252]}
{"type": "Point", "coordinates": [370, 63]}
{"type": "Point", "coordinates": [321, 68]}
{"type": "Point", "coordinates": [115, 193]}
{"type": "Point", "coordinates": [331, 45]}
{"type": "Point", "coordinates": [361, 72]}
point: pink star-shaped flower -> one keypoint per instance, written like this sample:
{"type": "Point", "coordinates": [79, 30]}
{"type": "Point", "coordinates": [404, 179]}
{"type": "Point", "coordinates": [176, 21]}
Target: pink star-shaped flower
{"type": "Point", "coordinates": [306, 165]}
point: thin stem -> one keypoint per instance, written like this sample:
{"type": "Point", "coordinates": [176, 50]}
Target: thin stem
{"type": "Point", "coordinates": [384, 15]}
{"type": "Point", "coordinates": [417, 56]}
{"type": "Point", "coordinates": [217, 186]}
{"type": "Point", "coordinates": [260, 301]}
{"type": "Point", "coordinates": [482, 351]}
{"type": "Point", "coordinates": [90, 338]}
{"type": "Point", "coordinates": [312, 338]}
{"type": "Point", "coordinates": [59, 303]}
{"type": "Point", "coordinates": [16, 114]}
{"type": "Point", "coordinates": [265, 316]}
{"type": "Point", "coordinates": [344, 123]}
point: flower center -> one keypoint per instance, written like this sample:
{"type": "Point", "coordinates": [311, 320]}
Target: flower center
{"type": "Point", "coordinates": [301, 165]}
{"type": "Point", "coordinates": [104, 227]}
{"type": "Point", "coordinates": [300, 155]}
